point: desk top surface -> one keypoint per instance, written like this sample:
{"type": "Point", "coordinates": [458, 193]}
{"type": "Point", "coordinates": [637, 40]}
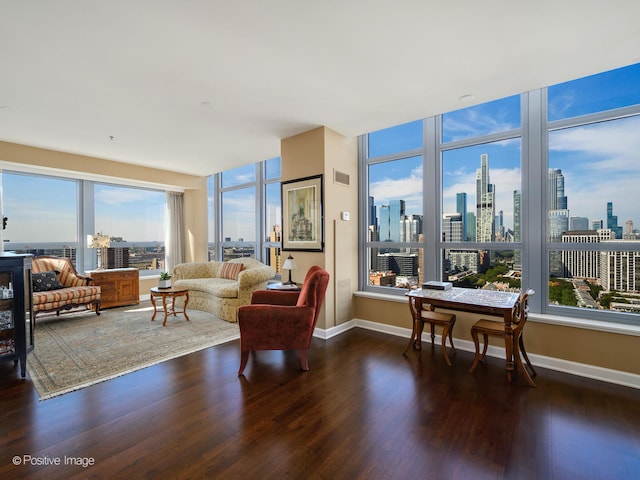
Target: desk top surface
{"type": "Point", "coordinates": [468, 296]}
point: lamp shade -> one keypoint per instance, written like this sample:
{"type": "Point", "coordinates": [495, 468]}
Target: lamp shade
{"type": "Point", "coordinates": [98, 241]}
{"type": "Point", "coordinates": [289, 264]}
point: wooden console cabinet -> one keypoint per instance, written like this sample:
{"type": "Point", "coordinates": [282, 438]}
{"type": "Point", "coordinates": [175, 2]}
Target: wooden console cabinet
{"type": "Point", "coordinates": [118, 286]}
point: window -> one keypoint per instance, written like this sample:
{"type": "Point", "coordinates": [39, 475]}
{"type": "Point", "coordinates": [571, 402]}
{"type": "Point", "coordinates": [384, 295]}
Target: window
{"type": "Point", "coordinates": [245, 213]}
{"type": "Point", "coordinates": [395, 214]}
{"type": "Point", "coordinates": [40, 209]}
{"type": "Point", "coordinates": [593, 245]}
{"type": "Point", "coordinates": [42, 215]}
{"type": "Point", "coordinates": [53, 216]}
{"type": "Point", "coordinates": [134, 220]}
{"type": "Point", "coordinates": [564, 199]}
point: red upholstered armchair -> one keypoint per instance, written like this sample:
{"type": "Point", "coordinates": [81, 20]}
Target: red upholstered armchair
{"type": "Point", "coordinates": [282, 320]}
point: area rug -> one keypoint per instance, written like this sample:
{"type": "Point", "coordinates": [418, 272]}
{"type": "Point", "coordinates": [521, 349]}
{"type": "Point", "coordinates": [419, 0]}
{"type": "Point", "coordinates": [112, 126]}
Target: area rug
{"type": "Point", "coordinates": [76, 350]}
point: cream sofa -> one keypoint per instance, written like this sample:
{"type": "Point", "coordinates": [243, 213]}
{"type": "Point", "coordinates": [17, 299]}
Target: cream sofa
{"type": "Point", "coordinates": [210, 292]}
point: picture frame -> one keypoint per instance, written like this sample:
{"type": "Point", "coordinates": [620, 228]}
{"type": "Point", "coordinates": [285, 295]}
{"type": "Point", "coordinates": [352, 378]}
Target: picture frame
{"type": "Point", "coordinates": [302, 214]}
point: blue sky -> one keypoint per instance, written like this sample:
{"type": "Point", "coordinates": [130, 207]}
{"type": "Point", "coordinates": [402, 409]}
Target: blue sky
{"type": "Point", "coordinates": [44, 209]}
{"type": "Point", "coordinates": [600, 162]}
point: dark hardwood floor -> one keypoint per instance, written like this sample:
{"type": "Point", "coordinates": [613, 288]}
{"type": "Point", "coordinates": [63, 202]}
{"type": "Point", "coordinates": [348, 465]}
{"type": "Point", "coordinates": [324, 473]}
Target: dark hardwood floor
{"type": "Point", "coordinates": [362, 411]}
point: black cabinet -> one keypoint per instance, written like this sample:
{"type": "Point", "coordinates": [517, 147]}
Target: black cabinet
{"type": "Point", "coordinates": [16, 309]}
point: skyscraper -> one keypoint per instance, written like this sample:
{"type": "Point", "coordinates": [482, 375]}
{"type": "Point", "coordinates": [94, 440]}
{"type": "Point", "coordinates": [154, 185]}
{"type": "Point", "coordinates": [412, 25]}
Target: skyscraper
{"type": "Point", "coordinates": [557, 198]}
{"type": "Point", "coordinates": [384, 223]}
{"type": "Point", "coordinates": [485, 202]}
{"type": "Point", "coordinates": [396, 218]}
{"type": "Point", "coordinates": [578, 223]}
{"type": "Point", "coordinates": [461, 208]}
{"type": "Point", "coordinates": [612, 221]}
{"type": "Point", "coordinates": [558, 218]}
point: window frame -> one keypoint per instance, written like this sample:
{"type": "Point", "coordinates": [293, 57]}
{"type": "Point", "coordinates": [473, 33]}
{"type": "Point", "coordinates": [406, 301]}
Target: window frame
{"type": "Point", "coordinates": [534, 244]}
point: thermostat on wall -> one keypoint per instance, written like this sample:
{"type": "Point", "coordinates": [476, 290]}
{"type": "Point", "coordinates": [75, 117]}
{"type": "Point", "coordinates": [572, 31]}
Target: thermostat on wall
{"type": "Point", "coordinates": [344, 216]}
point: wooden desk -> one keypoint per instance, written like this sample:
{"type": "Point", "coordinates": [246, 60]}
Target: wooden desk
{"type": "Point", "coordinates": [487, 302]}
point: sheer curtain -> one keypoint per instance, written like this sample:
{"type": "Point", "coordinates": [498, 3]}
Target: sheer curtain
{"type": "Point", "coordinates": [174, 243]}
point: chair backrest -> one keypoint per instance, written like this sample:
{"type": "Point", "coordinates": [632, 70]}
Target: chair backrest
{"type": "Point", "coordinates": [313, 290]}
{"type": "Point", "coordinates": [522, 309]}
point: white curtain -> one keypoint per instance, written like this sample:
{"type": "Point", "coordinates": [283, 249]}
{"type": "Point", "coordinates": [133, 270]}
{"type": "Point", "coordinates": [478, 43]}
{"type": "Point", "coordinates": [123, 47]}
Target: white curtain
{"type": "Point", "coordinates": [174, 233]}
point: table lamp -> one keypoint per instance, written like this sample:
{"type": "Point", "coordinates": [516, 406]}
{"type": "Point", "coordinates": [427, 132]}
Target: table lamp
{"type": "Point", "coordinates": [289, 264]}
{"type": "Point", "coordinates": [101, 242]}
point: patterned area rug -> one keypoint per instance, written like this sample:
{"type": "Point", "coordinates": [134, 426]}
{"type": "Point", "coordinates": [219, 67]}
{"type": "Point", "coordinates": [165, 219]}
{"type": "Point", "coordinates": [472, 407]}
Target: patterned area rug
{"type": "Point", "coordinates": [80, 349]}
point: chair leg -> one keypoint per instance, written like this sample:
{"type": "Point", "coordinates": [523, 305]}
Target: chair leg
{"type": "Point", "coordinates": [244, 357]}
{"type": "Point", "coordinates": [485, 337]}
{"type": "Point", "coordinates": [526, 358]}
{"type": "Point", "coordinates": [445, 333]}
{"type": "Point", "coordinates": [304, 361]}
{"type": "Point", "coordinates": [476, 359]}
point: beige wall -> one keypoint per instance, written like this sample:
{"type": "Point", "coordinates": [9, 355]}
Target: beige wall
{"type": "Point", "coordinates": [320, 151]}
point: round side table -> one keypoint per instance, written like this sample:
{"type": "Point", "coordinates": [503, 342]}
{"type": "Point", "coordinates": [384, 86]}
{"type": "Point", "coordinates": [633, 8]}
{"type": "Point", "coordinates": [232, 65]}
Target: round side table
{"type": "Point", "coordinates": [171, 293]}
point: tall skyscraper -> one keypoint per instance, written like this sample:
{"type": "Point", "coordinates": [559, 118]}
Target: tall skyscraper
{"type": "Point", "coordinates": [612, 221]}
{"type": "Point", "coordinates": [396, 217]}
{"type": "Point", "coordinates": [485, 202]}
{"type": "Point", "coordinates": [557, 198]}
{"type": "Point", "coordinates": [461, 208]}
{"type": "Point", "coordinates": [385, 223]}
{"type": "Point", "coordinates": [558, 218]}
{"type": "Point", "coordinates": [373, 217]}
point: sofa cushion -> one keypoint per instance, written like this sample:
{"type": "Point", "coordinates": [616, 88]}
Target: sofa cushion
{"type": "Point", "coordinates": [45, 281]}
{"type": "Point", "coordinates": [230, 271]}
{"type": "Point", "coordinates": [72, 295]}
{"type": "Point", "coordinates": [218, 287]}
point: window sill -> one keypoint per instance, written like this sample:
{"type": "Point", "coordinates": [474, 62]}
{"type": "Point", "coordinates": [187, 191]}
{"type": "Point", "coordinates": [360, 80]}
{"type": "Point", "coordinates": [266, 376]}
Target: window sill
{"type": "Point", "coordinates": [609, 327]}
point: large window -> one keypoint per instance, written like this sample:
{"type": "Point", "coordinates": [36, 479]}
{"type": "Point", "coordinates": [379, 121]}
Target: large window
{"type": "Point", "coordinates": [53, 215]}
{"type": "Point", "coordinates": [134, 220]}
{"type": "Point", "coordinates": [564, 197]}
{"type": "Point", "coordinates": [245, 213]}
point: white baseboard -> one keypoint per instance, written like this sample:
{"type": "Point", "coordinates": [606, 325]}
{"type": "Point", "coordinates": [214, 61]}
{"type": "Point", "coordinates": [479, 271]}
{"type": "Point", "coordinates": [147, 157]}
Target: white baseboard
{"type": "Point", "coordinates": [580, 369]}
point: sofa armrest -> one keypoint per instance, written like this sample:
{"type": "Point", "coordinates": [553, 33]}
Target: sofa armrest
{"type": "Point", "coordinates": [254, 276]}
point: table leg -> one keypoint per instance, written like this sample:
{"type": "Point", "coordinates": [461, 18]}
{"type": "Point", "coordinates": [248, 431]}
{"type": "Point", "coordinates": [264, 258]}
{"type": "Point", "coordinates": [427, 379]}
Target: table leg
{"type": "Point", "coordinates": [184, 307]}
{"type": "Point", "coordinates": [164, 307]}
{"type": "Point", "coordinates": [416, 325]}
{"type": "Point", "coordinates": [153, 301]}
{"type": "Point", "coordinates": [508, 343]}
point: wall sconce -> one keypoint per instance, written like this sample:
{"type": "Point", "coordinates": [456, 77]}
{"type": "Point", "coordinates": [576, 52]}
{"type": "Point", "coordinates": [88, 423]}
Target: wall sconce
{"type": "Point", "coordinates": [289, 264]}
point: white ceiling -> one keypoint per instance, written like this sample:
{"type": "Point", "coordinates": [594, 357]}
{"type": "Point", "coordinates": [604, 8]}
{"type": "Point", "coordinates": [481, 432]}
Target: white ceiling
{"type": "Point", "coordinates": [200, 86]}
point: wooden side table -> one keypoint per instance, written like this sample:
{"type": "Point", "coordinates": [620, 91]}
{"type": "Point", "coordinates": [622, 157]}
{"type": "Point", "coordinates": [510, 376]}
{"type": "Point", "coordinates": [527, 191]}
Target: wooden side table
{"type": "Point", "coordinates": [171, 293]}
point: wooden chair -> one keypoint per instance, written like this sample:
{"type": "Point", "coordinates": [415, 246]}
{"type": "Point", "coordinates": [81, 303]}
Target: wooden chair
{"type": "Point", "coordinates": [498, 329]}
{"type": "Point", "coordinates": [444, 320]}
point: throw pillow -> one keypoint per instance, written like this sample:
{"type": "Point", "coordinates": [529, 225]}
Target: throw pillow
{"type": "Point", "coordinates": [230, 270]}
{"type": "Point", "coordinates": [45, 281]}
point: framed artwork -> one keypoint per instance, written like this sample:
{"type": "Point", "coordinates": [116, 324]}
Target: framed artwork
{"type": "Point", "coordinates": [302, 223]}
